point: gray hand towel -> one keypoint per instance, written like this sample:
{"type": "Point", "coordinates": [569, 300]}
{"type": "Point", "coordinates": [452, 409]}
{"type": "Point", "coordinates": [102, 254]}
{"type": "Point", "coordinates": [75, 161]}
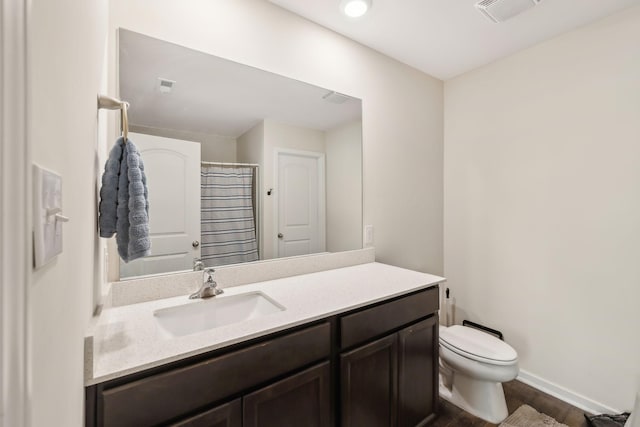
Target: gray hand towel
{"type": "Point", "coordinates": [124, 202]}
{"type": "Point", "coordinates": [109, 191]}
{"type": "Point", "coordinates": [122, 232]}
{"type": "Point", "coordinates": [139, 242]}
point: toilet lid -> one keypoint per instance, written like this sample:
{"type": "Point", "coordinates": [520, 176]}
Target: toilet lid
{"type": "Point", "coordinates": [476, 344]}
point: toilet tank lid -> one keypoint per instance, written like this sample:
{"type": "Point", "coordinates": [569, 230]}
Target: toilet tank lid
{"type": "Point", "coordinates": [475, 342]}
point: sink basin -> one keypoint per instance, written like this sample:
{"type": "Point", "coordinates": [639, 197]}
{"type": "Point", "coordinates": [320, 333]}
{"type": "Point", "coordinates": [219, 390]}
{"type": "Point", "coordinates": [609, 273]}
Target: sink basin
{"type": "Point", "coordinates": [215, 312]}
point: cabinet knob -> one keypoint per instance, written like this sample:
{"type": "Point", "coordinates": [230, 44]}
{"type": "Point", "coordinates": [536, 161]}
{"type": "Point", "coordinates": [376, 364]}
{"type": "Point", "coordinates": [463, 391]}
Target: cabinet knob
{"type": "Point", "coordinates": [195, 244]}
{"type": "Point", "coordinates": [280, 235]}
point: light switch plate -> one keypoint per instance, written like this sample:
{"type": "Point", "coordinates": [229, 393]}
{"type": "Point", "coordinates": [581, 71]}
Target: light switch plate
{"type": "Point", "coordinates": [47, 217]}
{"type": "Point", "coordinates": [368, 235]}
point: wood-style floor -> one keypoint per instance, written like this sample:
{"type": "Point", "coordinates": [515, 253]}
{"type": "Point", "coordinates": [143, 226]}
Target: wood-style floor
{"type": "Point", "coordinates": [517, 394]}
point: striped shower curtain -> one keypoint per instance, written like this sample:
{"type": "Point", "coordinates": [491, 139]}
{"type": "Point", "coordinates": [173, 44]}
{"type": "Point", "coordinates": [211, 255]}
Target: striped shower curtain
{"type": "Point", "coordinates": [227, 215]}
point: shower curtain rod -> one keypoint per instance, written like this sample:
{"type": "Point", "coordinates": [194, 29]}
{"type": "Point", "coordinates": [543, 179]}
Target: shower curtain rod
{"type": "Point", "coordinates": [252, 165]}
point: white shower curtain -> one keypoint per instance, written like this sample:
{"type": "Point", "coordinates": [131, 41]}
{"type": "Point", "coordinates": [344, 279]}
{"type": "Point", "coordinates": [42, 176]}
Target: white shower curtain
{"type": "Point", "coordinates": [227, 215]}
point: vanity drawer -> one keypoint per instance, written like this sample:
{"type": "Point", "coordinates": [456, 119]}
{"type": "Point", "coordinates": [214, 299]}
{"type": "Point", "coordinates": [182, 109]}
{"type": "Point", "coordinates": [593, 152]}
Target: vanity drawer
{"type": "Point", "coordinates": [159, 398]}
{"type": "Point", "coordinates": [366, 324]}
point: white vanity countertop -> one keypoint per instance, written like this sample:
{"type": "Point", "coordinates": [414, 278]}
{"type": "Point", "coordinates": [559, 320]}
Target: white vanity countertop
{"type": "Point", "coordinates": [127, 339]}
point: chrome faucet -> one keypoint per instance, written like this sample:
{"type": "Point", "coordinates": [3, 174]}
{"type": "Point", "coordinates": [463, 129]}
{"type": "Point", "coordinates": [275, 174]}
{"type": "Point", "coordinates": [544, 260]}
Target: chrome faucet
{"type": "Point", "coordinates": [209, 286]}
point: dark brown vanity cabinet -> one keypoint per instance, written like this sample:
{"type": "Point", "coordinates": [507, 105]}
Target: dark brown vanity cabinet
{"type": "Point", "coordinates": [226, 415]}
{"type": "Point", "coordinates": [300, 400]}
{"type": "Point", "coordinates": [374, 366]}
{"type": "Point", "coordinates": [197, 389]}
{"type": "Point", "coordinates": [369, 377]}
{"type": "Point", "coordinates": [417, 384]}
{"type": "Point", "coordinates": [391, 381]}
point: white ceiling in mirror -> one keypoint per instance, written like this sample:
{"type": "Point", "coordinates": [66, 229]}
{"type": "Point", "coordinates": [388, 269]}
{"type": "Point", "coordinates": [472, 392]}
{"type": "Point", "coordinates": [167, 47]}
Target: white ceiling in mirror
{"type": "Point", "coordinates": [225, 105]}
{"type": "Point", "coordinates": [445, 38]}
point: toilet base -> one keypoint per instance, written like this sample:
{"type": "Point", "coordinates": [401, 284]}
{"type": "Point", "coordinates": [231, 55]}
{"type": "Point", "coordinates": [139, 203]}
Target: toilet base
{"type": "Point", "coordinates": [484, 399]}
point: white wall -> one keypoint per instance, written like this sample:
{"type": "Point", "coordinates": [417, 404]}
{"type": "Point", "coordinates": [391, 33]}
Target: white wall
{"type": "Point", "coordinates": [542, 205]}
{"type": "Point", "coordinates": [213, 148]}
{"type": "Point", "coordinates": [402, 107]}
{"type": "Point", "coordinates": [343, 147]}
{"type": "Point", "coordinates": [15, 225]}
{"type": "Point", "coordinates": [250, 145]}
{"type": "Point", "coordinates": [66, 55]}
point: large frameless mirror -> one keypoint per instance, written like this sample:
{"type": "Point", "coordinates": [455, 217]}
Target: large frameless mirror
{"type": "Point", "coordinates": [242, 164]}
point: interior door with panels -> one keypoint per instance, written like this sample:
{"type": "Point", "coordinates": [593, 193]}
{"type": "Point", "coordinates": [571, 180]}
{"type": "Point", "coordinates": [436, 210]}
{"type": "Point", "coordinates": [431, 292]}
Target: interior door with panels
{"type": "Point", "coordinates": [174, 204]}
{"type": "Point", "coordinates": [301, 203]}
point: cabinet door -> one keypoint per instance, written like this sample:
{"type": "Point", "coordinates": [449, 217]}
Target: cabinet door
{"type": "Point", "coordinates": [299, 400]}
{"type": "Point", "coordinates": [417, 370]}
{"type": "Point", "coordinates": [369, 384]}
{"type": "Point", "coordinates": [227, 415]}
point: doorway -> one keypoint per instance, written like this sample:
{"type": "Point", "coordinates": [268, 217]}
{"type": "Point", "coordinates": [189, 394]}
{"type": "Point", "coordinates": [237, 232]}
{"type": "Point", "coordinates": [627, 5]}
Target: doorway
{"type": "Point", "coordinates": [172, 167]}
{"type": "Point", "coordinates": [300, 205]}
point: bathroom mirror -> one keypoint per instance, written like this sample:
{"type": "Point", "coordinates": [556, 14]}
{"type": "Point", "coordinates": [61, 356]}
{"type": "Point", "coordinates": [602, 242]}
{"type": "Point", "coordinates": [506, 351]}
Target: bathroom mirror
{"type": "Point", "coordinates": [242, 164]}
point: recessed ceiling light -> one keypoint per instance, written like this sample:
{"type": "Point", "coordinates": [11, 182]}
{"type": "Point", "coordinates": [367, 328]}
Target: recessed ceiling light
{"type": "Point", "coordinates": [355, 8]}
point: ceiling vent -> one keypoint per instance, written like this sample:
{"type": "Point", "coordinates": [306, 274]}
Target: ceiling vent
{"type": "Point", "coordinates": [501, 10]}
{"type": "Point", "coordinates": [165, 85]}
{"type": "Point", "coordinates": [336, 98]}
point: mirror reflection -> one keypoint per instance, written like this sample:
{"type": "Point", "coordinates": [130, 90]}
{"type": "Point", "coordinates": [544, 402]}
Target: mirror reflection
{"type": "Point", "coordinates": [242, 165]}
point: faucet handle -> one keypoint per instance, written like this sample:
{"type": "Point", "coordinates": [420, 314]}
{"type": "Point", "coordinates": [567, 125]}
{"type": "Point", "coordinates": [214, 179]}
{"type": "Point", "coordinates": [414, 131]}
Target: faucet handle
{"type": "Point", "coordinates": [208, 273]}
{"type": "Point", "coordinates": [210, 287]}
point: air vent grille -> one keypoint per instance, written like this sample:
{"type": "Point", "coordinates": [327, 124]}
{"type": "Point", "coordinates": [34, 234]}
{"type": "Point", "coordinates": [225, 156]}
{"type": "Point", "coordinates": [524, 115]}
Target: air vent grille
{"type": "Point", "coordinates": [336, 98]}
{"type": "Point", "coordinates": [165, 85]}
{"type": "Point", "coordinates": [501, 10]}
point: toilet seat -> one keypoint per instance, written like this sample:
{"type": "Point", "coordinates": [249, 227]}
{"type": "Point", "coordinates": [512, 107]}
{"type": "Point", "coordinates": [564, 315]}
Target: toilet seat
{"type": "Point", "coordinates": [477, 345]}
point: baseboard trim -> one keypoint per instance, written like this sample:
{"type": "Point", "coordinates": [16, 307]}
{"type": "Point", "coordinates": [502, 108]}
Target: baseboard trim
{"type": "Point", "coordinates": [568, 396]}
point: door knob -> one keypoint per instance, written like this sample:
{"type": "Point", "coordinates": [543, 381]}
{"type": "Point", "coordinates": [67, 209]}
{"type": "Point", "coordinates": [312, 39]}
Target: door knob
{"type": "Point", "coordinates": [195, 244]}
{"type": "Point", "coordinates": [280, 235]}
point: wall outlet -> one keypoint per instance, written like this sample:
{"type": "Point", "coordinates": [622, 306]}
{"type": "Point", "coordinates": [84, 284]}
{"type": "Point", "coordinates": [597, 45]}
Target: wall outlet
{"type": "Point", "coordinates": [368, 235]}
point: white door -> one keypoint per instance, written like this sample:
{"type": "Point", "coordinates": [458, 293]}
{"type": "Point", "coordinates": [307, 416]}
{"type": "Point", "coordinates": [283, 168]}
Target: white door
{"type": "Point", "coordinates": [300, 205]}
{"type": "Point", "coordinates": [172, 167]}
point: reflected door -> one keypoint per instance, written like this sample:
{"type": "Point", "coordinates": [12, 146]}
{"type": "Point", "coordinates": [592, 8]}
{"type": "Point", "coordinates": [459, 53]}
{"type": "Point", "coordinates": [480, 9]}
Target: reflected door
{"type": "Point", "coordinates": [172, 168]}
{"type": "Point", "coordinates": [301, 206]}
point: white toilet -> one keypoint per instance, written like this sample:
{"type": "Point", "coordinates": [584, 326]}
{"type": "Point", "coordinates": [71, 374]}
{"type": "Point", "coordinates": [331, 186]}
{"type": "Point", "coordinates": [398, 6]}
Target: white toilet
{"type": "Point", "coordinates": [473, 366]}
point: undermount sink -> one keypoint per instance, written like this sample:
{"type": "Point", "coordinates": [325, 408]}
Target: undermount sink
{"type": "Point", "coordinates": [215, 312]}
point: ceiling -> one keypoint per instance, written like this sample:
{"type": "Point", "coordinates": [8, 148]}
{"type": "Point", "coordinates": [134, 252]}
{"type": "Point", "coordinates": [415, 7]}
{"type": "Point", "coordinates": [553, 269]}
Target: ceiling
{"type": "Point", "coordinates": [445, 38]}
{"type": "Point", "coordinates": [216, 96]}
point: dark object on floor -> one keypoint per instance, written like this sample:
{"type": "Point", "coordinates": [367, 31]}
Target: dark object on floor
{"type": "Point", "coordinates": [605, 420]}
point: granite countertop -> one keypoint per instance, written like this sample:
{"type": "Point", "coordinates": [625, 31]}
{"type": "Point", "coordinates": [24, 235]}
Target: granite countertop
{"type": "Point", "coordinates": [127, 339]}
